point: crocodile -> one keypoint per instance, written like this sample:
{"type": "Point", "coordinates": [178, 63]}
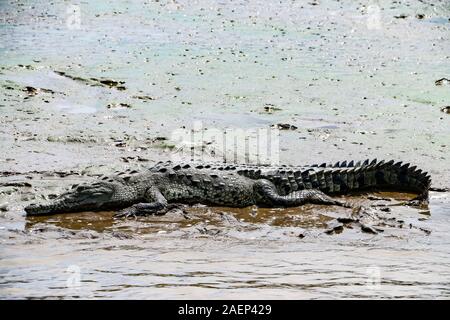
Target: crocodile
{"type": "Point", "coordinates": [165, 185]}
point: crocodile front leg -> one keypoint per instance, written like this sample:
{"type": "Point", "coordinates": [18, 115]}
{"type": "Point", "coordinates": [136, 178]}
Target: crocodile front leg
{"type": "Point", "coordinates": [156, 205]}
{"type": "Point", "coordinates": [267, 194]}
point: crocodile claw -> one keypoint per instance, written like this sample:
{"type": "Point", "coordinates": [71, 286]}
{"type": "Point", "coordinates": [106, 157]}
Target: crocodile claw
{"type": "Point", "coordinates": [146, 209]}
{"type": "Point", "coordinates": [126, 213]}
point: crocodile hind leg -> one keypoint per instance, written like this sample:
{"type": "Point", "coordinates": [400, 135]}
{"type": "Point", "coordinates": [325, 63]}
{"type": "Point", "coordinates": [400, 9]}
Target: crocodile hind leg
{"type": "Point", "coordinates": [156, 205]}
{"type": "Point", "coordinates": [267, 194]}
{"type": "Point", "coordinates": [142, 209]}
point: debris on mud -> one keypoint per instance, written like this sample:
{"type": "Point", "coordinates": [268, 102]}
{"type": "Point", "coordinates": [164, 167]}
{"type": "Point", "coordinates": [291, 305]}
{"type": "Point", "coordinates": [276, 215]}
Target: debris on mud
{"type": "Point", "coordinates": [70, 139]}
{"type": "Point", "coordinates": [334, 227]}
{"type": "Point", "coordinates": [118, 85]}
{"type": "Point", "coordinates": [446, 109]}
{"type": "Point", "coordinates": [270, 108]}
{"type": "Point", "coordinates": [368, 229]}
{"type": "Point", "coordinates": [346, 220]}
{"type": "Point", "coordinates": [34, 91]}
{"type": "Point", "coordinates": [208, 231]}
{"type": "Point", "coordinates": [377, 198]}
{"type": "Point", "coordinates": [442, 81]}
{"type": "Point", "coordinates": [438, 189]}
{"type": "Point", "coordinates": [118, 105]}
{"type": "Point", "coordinates": [29, 90]}
{"type": "Point", "coordinates": [28, 66]}
{"type": "Point", "coordinates": [15, 184]}
{"type": "Point", "coordinates": [4, 207]}
{"type": "Point", "coordinates": [284, 126]}
{"type": "Point", "coordinates": [108, 82]}
{"type": "Point", "coordinates": [121, 235]}
{"type": "Point", "coordinates": [144, 98]}
{"type": "Point", "coordinates": [75, 78]}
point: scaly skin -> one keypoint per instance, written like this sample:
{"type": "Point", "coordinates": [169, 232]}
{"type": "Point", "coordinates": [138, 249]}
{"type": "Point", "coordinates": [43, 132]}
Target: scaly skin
{"type": "Point", "coordinates": [156, 190]}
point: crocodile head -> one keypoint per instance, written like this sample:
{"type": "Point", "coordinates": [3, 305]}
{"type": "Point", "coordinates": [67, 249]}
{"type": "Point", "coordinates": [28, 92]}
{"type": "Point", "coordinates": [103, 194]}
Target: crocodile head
{"type": "Point", "coordinates": [97, 196]}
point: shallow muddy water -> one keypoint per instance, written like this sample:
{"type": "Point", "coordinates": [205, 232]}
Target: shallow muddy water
{"type": "Point", "coordinates": [88, 88]}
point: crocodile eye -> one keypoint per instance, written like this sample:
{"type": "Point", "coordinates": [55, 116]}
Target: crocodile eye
{"type": "Point", "coordinates": [74, 186]}
{"type": "Point", "coordinates": [81, 188]}
{"type": "Point", "coordinates": [98, 193]}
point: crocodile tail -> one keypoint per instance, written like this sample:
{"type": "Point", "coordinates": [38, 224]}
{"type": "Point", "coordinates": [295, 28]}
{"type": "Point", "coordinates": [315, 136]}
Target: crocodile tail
{"type": "Point", "coordinates": [343, 177]}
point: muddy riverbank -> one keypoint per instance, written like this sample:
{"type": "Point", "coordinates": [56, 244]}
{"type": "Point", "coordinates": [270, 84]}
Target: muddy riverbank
{"type": "Point", "coordinates": [90, 88]}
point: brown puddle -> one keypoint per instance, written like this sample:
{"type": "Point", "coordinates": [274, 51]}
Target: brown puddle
{"type": "Point", "coordinates": [305, 217]}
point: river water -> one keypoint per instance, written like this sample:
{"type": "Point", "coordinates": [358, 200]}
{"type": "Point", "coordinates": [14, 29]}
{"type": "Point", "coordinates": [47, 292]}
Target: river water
{"type": "Point", "coordinates": [357, 80]}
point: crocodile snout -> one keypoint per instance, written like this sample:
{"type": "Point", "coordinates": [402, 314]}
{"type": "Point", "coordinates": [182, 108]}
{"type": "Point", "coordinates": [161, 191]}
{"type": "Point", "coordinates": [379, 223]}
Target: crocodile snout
{"type": "Point", "coordinates": [37, 209]}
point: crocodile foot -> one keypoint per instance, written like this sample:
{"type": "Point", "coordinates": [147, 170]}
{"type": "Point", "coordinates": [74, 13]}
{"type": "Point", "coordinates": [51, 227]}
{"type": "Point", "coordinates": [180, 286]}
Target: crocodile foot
{"type": "Point", "coordinates": [145, 209]}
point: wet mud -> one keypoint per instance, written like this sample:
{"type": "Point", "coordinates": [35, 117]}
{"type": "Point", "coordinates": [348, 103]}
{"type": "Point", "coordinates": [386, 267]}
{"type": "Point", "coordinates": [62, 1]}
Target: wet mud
{"type": "Point", "coordinates": [340, 80]}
